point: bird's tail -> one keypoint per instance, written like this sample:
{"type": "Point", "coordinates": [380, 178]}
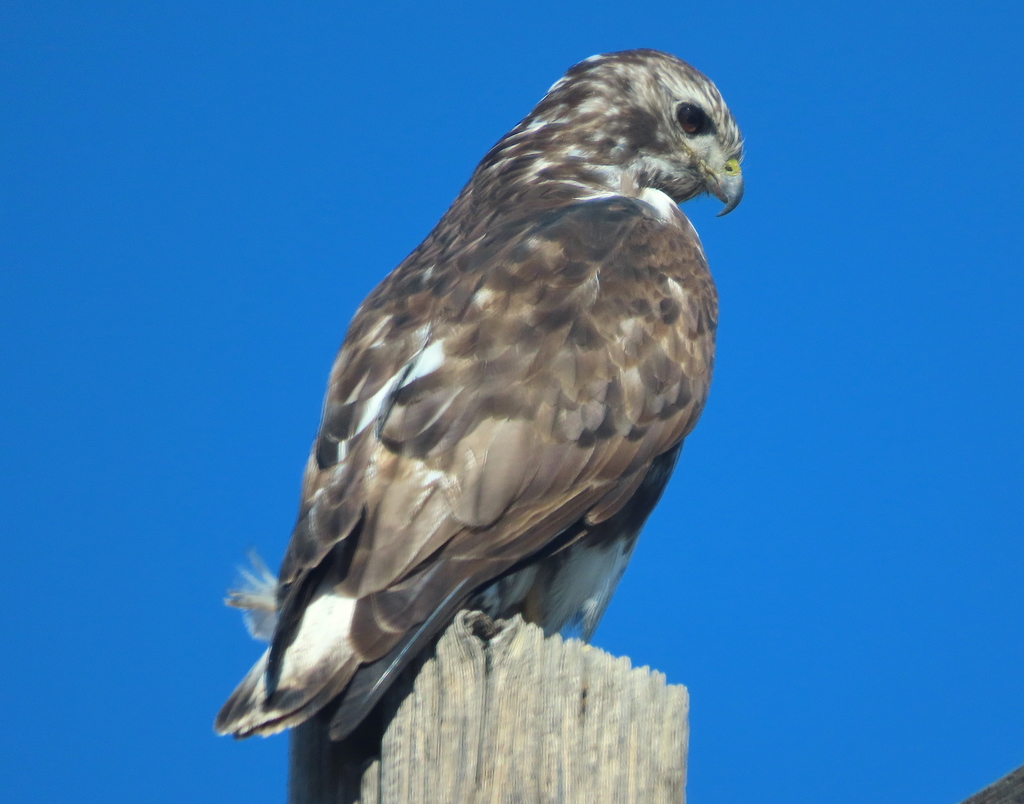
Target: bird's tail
{"type": "Point", "coordinates": [315, 665]}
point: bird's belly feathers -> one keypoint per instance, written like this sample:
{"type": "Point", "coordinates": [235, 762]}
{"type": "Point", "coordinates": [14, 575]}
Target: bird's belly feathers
{"type": "Point", "coordinates": [566, 592]}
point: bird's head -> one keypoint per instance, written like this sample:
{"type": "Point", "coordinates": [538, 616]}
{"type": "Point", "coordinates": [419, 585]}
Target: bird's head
{"type": "Point", "coordinates": [649, 115]}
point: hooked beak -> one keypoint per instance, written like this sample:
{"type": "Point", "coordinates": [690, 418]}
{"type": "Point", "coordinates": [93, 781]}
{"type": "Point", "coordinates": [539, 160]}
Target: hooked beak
{"type": "Point", "coordinates": [727, 186]}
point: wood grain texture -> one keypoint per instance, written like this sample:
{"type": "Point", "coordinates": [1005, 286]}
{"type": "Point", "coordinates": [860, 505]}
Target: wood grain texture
{"type": "Point", "coordinates": [1008, 790]}
{"type": "Point", "coordinates": [496, 713]}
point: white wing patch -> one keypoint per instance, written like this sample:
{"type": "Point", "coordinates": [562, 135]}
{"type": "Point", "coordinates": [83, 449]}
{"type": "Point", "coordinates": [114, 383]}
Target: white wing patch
{"type": "Point", "coordinates": [426, 362]}
{"type": "Point", "coordinates": [371, 410]}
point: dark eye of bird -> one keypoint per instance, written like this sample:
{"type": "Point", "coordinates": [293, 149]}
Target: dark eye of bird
{"type": "Point", "coordinates": [692, 119]}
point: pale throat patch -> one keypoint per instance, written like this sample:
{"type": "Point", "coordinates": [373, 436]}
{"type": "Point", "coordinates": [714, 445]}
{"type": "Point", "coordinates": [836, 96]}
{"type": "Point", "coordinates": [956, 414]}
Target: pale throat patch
{"type": "Point", "coordinates": [666, 208]}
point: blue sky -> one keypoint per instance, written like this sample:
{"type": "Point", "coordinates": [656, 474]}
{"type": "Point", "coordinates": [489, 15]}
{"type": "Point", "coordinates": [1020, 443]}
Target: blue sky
{"type": "Point", "coordinates": [194, 197]}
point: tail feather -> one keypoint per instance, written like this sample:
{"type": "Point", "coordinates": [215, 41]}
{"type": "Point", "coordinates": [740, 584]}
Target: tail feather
{"type": "Point", "coordinates": [315, 667]}
{"type": "Point", "coordinates": [372, 680]}
{"type": "Point", "coordinates": [241, 712]}
{"type": "Point", "coordinates": [247, 712]}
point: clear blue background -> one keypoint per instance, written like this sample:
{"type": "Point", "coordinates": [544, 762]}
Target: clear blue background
{"type": "Point", "coordinates": [195, 196]}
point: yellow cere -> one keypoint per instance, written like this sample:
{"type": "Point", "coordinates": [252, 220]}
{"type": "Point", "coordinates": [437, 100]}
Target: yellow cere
{"type": "Point", "coordinates": [732, 167]}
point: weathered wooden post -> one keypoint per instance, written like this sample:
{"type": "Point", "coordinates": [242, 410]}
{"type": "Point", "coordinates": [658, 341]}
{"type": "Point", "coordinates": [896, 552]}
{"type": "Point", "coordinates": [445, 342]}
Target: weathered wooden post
{"type": "Point", "coordinates": [497, 713]}
{"type": "Point", "coordinates": [1008, 790]}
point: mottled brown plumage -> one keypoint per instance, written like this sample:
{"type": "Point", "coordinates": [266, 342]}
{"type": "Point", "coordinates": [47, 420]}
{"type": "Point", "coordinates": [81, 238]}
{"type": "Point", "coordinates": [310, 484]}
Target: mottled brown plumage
{"type": "Point", "coordinates": [509, 402]}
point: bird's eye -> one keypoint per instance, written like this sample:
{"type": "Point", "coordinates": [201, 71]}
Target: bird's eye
{"type": "Point", "coordinates": [692, 119]}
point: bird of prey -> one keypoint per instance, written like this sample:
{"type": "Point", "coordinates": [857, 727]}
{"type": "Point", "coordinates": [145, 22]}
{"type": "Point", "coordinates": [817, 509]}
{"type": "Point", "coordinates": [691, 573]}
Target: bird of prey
{"type": "Point", "coordinates": [508, 404]}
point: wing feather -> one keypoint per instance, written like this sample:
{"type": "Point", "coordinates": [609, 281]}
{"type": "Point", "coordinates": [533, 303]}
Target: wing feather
{"type": "Point", "coordinates": [525, 382]}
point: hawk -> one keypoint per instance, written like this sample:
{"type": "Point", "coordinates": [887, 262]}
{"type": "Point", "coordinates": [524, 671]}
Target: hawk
{"type": "Point", "coordinates": [508, 404]}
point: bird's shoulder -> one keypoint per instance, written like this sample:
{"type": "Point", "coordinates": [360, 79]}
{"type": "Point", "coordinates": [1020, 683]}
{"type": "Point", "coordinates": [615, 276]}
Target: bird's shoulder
{"type": "Point", "coordinates": [592, 274]}
{"type": "Point", "coordinates": [577, 341]}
